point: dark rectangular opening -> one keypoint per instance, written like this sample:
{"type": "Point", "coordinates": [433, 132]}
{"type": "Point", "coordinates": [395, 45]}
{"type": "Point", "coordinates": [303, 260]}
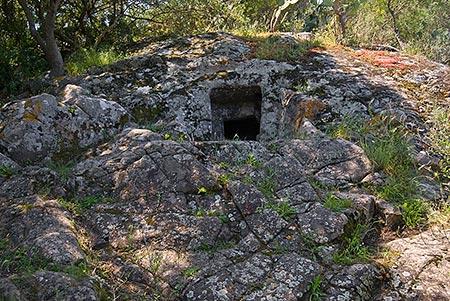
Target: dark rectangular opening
{"type": "Point", "coordinates": [236, 112]}
{"type": "Point", "coordinates": [241, 129]}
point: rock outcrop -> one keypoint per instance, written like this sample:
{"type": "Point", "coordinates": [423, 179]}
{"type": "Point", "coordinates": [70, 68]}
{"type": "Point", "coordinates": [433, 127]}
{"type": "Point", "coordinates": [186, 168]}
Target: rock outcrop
{"type": "Point", "coordinates": [192, 171]}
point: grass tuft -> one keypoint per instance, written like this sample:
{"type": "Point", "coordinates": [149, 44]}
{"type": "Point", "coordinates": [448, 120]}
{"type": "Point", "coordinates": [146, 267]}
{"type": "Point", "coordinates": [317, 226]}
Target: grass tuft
{"type": "Point", "coordinates": [6, 171]}
{"type": "Point", "coordinates": [274, 48]}
{"type": "Point", "coordinates": [85, 59]}
{"type": "Point", "coordinates": [336, 204]}
{"type": "Point", "coordinates": [315, 289]}
{"type": "Point", "coordinates": [283, 208]}
{"type": "Point", "coordinates": [78, 206]}
{"type": "Point", "coordinates": [414, 212]}
{"type": "Point", "coordinates": [353, 248]}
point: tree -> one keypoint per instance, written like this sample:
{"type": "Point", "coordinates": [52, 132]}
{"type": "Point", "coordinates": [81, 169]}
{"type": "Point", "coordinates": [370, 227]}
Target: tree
{"type": "Point", "coordinates": [41, 18]}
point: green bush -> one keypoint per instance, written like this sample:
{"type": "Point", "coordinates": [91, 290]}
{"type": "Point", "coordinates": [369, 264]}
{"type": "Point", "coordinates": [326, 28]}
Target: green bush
{"type": "Point", "coordinates": [84, 59]}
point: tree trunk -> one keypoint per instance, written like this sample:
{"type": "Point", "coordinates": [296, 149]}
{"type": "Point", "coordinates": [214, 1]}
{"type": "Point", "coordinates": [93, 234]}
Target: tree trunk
{"type": "Point", "coordinates": [54, 58]}
{"type": "Point", "coordinates": [46, 40]}
{"type": "Point", "coordinates": [341, 16]}
{"type": "Point", "coordinates": [395, 25]}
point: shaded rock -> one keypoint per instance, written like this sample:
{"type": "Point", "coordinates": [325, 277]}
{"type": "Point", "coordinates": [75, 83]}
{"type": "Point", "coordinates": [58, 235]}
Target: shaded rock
{"type": "Point", "coordinates": [52, 237]}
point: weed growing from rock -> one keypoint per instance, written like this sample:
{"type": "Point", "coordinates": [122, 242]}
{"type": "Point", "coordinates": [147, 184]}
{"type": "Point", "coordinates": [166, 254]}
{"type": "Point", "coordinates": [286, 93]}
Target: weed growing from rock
{"type": "Point", "coordinates": [62, 169]}
{"type": "Point", "coordinates": [336, 204]}
{"type": "Point", "coordinates": [191, 272]}
{"type": "Point", "coordinates": [315, 289]}
{"type": "Point", "coordinates": [353, 249]}
{"type": "Point", "coordinates": [283, 208]}
{"type": "Point", "coordinates": [274, 48]}
{"type": "Point", "coordinates": [6, 171]}
{"type": "Point", "coordinates": [414, 212]}
{"type": "Point", "coordinates": [79, 205]}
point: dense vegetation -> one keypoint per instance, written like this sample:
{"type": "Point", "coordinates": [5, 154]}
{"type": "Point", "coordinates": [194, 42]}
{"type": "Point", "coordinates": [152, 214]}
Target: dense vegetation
{"type": "Point", "coordinates": [43, 35]}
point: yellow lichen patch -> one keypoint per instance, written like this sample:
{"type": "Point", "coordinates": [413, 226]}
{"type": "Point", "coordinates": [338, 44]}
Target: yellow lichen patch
{"type": "Point", "coordinates": [33, 110]}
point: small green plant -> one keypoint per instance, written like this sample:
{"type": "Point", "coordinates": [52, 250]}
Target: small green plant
{"type": "Point", "coordinates": [155, 262]}
{"type": "Point", "coordinates": [78, 206]}
{"type": "Point", "coordinates": [353, 247]}
{"type": "Point", "coordinates": [202, 190]}
{"type": "Point", "coordinates": [274, 147]}
{"type": "Point", "coordinates": [336, 204]}
{"type": "Point", "coordinates": [6, 171]}
{"type": "Point", "coordinates": [283, 208]}
{"type": "Point", "coordinates": [85, 59]}
{"type": "Point", "coordinates": [62, 169]}
{"type": "Point", "coordinates": [315, 289]}
{"type": "Point", "coordinates": [301, 86]}
{"type": "Point", "coordinates": [224, 165]}
{"type": "Point", "coordinates": [223, 179]}
{"type": "Point", "coordinates": [218, 246]}
{"type": "Point", "coordinates": [191, 272]}
{"type": "Point", "coordinates": [28, 261]}
{"type": "Point", "coordinates": [252, 161]}
{"type": "Point", "coordinates": [310, 244]}
{"type": "Point", "coordinates": [268, 185]}
{"type": "Point", "coordinates": [414, 212]}
{"type": "Point", "coordinates": [167, 136]}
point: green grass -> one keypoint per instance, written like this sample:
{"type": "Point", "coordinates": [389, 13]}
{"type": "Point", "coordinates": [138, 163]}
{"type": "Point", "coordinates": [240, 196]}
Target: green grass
{"type": "Point", "coordinates": [274, 48]}
{"type": "Point", "coordinates": [85, 59]}
{"type": "Point", "coordinates": [62, 169]}
{"type": "Point", "coordinates": [6, 171]}
{"type": "Point", "coordinates": [191, 272]}
{"type": "Point", "coordinates": [252, 161]}
{"type": "Point", "coordinates": [283, 208]}
{"type": "Point", "coordinates": [386, 145]}
{"type": "Point", "coordinates": [80, 205]}
{"type": "Point", "coordinates": [223, 179]}
{"type": "Point", "coordinates": [267, 185]}
{"type": "Point", "coordinates": [27, 261]}
{"type": "Point", "coordinates": [218, 246]}
{"type": "Point", "coordinates": [414, 212]}
{"type": "Point", "coordinates": [440, 142]}
{"type": "Point", "coordinates": [315, 289]}
{"type": "Point", "coordinates": [336, 204]}
{"type": "Point", "coordinates": [353, 249]}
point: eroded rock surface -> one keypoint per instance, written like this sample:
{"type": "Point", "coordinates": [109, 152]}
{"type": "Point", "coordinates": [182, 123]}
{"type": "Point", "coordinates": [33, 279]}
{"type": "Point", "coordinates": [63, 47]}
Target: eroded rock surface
{"type": "Point", "coordinates": [151, 207]}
